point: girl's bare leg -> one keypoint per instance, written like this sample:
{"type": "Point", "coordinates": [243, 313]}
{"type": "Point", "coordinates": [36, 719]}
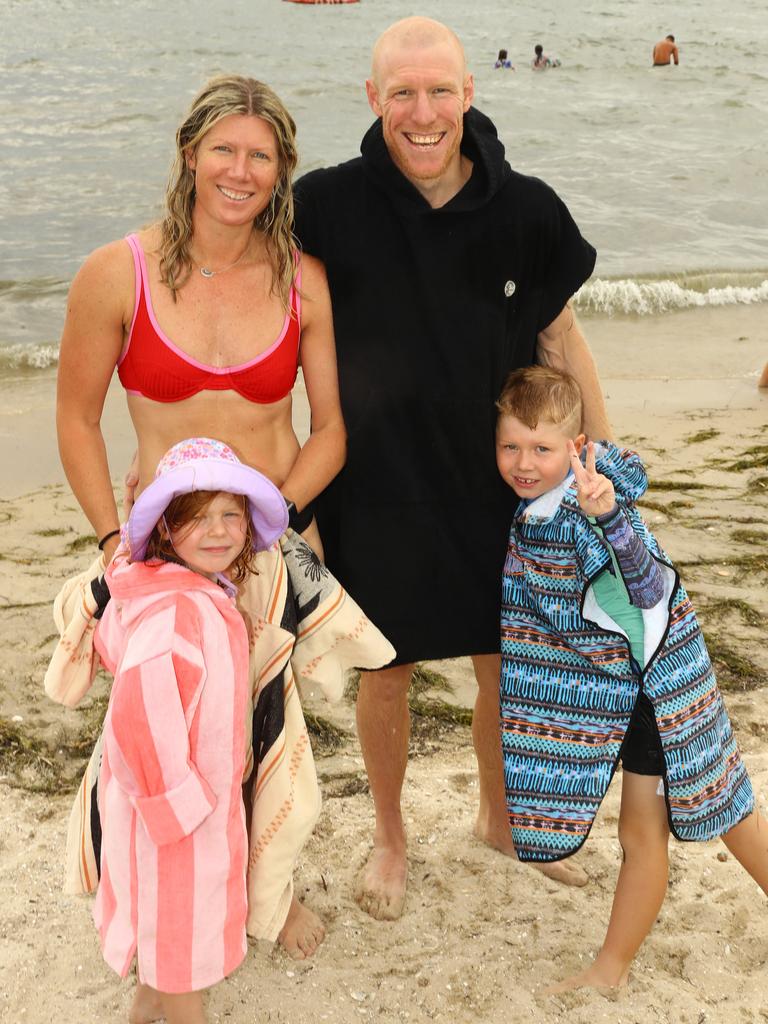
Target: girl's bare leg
{"type": "Point", "coordinates": [183, 1008]}
{"type": "Point", "coordinates": [146, 1006]}
{"type": "Point", "coordinates": [641, 887]}
{"type": "Point", "coordinates": [748, 842]}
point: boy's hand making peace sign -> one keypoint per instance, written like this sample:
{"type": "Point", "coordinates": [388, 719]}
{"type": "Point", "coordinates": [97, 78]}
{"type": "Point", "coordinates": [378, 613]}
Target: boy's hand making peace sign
{"type": "Point", "coordinates": [595, 491]}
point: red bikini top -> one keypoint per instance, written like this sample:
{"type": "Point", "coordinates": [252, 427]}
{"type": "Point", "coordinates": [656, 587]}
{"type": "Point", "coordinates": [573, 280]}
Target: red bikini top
{"type": "Point", "coordinates": [151, 365]}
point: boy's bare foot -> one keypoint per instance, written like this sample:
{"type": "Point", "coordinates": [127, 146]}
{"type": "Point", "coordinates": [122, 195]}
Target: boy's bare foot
{"type": "Point", "coordinates": [607, 985]}
{"type": "Point", "coordinates": [500, 839]}
{"type": "Point", "coordinates": [146, 1006]}
{"type": "Point", "coordinates": [380, 886]}
{"type": "Point", "coordinates": [302, 932]}
{"type": "Point", "coordinates": [563, 871]}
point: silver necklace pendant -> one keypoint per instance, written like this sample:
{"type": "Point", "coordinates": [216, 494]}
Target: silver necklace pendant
{"type": "Point", "coordinates": [206, 272]}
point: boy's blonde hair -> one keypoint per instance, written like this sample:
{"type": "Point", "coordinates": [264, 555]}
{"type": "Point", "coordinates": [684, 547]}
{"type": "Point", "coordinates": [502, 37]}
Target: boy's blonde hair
{"type": "Point", "coordinates": [537, 393]}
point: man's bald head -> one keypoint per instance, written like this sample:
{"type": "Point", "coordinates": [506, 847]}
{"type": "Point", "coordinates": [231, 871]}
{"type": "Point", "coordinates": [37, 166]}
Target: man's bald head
{"type": "Point", "coordinates": [414, 33]}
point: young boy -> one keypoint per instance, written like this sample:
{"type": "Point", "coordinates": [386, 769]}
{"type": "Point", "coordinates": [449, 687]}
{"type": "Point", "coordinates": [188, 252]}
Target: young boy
{"type": "Point", "coordinates": [603, 660]}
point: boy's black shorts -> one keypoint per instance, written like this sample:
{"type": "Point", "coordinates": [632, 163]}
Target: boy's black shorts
{"type": "Point", "coordinates": [641, 751]}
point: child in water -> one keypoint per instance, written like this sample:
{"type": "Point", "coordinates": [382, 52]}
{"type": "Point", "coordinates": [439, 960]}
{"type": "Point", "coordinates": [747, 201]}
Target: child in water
{"type": "Point", "coordinates": [541, 61]}
{"type": "Point", "coordinates": [603, 661]}
{"type": "Point", "coordinates": [503, 61]}
{"type": "Point", "coordinates": [172, 889]}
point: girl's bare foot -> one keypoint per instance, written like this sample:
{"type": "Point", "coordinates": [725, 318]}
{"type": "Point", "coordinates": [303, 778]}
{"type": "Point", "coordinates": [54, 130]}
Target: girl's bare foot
{"type": "Point", "coordinates": [146, 1006]}
{"type": "Point", "coordinates": [302, 932]}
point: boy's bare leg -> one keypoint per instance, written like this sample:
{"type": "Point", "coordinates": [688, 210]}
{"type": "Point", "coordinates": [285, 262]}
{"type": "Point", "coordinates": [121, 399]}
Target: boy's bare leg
{"type": "Point", "coordinates": [183, 1008]}
{"type": "Point", "coordinates": [763, 383]}
{"type": "Point", "coordinates": [302, 932]}
{"type": "Point", "coordinates": [146, 1006]}
{"type": "Point", "coordinates": [492, 825]}
{"type": "Point", "coordinates": [642, 884]}
{"type": "Point", "coordinates": [748, 842]}
{"type": "Point", "coordinates": [383, 727]}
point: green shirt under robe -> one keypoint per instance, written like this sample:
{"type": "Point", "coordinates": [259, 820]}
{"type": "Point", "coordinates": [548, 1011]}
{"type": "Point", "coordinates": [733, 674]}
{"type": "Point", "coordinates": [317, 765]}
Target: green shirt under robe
{"type": "Point", "coordinates": [612, 596]}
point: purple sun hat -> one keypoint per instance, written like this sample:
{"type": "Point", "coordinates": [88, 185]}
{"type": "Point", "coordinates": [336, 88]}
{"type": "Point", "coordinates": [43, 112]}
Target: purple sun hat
{"type": "Point", "coordinates": [203, 464]}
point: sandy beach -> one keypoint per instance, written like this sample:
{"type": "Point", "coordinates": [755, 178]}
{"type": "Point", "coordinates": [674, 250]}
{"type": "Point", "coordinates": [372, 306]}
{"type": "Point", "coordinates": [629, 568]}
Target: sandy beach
{"type": "Point", "coordinates": [481, 935]}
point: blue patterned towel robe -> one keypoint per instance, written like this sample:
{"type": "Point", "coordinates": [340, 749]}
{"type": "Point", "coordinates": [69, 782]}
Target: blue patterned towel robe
{"type": "Point", "coordinates": [569, 684]}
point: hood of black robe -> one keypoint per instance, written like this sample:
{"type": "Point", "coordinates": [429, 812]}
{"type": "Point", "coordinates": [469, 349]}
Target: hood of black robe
{"type": "Point", "coordinates": [480, 144]}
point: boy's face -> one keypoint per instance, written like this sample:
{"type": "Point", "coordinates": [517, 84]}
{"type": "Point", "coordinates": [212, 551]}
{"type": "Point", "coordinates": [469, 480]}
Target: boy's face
{"type": "Point", "coordinates": [532, 462]}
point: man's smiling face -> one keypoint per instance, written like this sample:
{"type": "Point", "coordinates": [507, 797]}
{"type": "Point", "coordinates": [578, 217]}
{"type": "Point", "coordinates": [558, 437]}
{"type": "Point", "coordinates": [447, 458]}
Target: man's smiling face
{"type": "Point", "coordinates": [421, 94]}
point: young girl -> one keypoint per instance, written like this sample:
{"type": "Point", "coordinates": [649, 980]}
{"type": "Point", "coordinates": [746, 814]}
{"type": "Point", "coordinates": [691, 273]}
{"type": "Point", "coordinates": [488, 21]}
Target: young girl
{"type": "Point", "coordinates": [172, 889]}
{"type": "Point", "coordinates": [603, 660]}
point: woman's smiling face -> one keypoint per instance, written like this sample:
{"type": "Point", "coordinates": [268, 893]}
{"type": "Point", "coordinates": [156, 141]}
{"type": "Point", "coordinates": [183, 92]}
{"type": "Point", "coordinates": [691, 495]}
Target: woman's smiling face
{"type": "Point", "coordinates": [236, 167]}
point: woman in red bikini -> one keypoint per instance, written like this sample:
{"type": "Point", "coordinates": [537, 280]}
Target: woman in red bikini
{"type": "Point", "coordinates": [206, 315]}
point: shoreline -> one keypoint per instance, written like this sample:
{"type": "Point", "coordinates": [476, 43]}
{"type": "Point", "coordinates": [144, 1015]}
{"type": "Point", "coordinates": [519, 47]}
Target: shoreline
{"type": "Point", "coordinates": [674, 363]}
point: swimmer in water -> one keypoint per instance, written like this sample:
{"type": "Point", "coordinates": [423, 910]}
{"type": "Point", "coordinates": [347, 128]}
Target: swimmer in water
{"type": "Point", "coordinates": [541, 61]}
{"type": "Point", "coordinates": [665, 52]}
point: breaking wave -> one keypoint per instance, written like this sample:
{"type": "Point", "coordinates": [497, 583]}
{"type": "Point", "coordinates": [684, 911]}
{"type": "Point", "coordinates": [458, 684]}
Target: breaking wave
{"type": "Point", "coordinates": [643, 297]}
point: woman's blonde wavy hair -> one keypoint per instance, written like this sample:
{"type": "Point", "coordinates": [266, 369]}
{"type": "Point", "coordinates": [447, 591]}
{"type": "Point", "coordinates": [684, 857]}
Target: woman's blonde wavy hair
{"type": "Point", "coordinates": [220, 97]}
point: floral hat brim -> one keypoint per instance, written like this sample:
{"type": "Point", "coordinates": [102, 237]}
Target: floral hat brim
{"type": "Point", "coordinates": [204, 464]}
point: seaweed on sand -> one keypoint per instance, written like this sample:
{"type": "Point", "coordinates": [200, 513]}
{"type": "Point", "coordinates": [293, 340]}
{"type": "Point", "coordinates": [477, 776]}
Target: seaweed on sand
{"type": "Point", "coordinates": [25, 761]}
{"type": "Point", "coordinates": [750, 536]}
{"type": "Point", "coordinates": [735, 673]}
{"type": "Point", "coordinates": [755, 457]}
{"type": "Point", "coordinates": [720, 606]}
{"type": "Point", "coordinates": [702, 435]}
{"type": "Point", "coordinates": [79, 543]}
{"type": "Point", "coordinates": [326, 737]}
{"type": "Point", "coordinates": [677, 485]}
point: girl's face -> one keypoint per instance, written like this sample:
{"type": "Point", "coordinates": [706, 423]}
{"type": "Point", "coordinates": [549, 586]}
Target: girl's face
{"type": "Point", "coordinates": [211, 541]}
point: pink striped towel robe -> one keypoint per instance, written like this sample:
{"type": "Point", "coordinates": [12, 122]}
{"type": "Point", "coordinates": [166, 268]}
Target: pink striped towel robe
{"type": "Point", "coordinates": [174, 851]}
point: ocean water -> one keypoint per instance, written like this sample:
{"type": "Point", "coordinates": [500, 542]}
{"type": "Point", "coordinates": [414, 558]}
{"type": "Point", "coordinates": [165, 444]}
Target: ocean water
{"type": "Point", "coordinates": [664, 169]}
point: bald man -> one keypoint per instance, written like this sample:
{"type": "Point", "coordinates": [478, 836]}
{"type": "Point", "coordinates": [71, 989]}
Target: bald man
{"type": "Point", "coordinates": [447, 270]}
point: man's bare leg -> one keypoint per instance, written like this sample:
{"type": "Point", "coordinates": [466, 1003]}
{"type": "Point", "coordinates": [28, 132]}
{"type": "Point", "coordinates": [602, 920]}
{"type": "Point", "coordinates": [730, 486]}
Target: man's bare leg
{"type": "Point", "coordinates": [302, 932]}
{"type": "Point", "coordinates": [383, 727]}
{"type": "Point", "coordinates": [492, 824]}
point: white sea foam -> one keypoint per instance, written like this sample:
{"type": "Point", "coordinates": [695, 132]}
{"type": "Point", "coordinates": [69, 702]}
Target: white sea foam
{"type": "Point", "coordinates": [645, 297]}
{"type": "Point", "coordinates": [34, 357]}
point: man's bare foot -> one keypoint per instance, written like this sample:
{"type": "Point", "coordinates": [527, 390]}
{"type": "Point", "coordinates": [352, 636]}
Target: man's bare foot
{"type": "Point", "coordinates": [500, 839]}
{"type": "Point", "coordinates": [593, 977]}
{"type": "Point", "coordinates": [302, 932]}
{"type": "Point", "coordinates": [380, 886]}
{"type": "Point", "coordinates": [146, 1006]}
